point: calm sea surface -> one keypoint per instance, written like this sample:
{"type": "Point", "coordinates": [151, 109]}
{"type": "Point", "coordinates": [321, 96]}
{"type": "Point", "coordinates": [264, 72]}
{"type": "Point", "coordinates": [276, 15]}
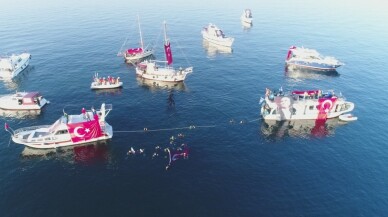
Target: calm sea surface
{"type": "Point", "coordinates": [239, 165]}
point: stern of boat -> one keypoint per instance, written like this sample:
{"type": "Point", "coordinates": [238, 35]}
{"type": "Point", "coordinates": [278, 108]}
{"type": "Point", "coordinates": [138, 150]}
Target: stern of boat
{"type": "Point", "coordinates": [108, 130]}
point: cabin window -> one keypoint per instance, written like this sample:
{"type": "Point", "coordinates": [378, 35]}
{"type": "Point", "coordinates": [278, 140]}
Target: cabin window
{"type": "Point", "coordinates": [274, 112]}
{"type": "Point", "coordinates": [60, 132]}
{"type": "Point", "coordinates": [311, 107]}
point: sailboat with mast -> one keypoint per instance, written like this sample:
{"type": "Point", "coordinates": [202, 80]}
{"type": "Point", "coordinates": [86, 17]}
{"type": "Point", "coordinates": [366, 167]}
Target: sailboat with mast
{"type": "Point", "coordinates": [154, 69]}
{"type": "Point", "coordinates": [137, 53]}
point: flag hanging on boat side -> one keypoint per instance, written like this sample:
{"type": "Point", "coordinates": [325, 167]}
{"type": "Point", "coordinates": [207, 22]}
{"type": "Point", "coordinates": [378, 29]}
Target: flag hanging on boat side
{"type": "Point", "coordinates": [324, 106]}
{"type": "Point", "coordinates": [167, 50]}
{"type": "Point", "coordinates": [84, 131]}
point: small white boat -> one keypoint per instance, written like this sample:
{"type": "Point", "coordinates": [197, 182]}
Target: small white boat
{"type": "Point", "coordinates": [102, 83]}
{"type": "Point", "coordinates": [311, 59]}
{"type": "Point", "coordinates": [303, 105]}
{"type": "Point", "coordinates": [68, 130]}
{"type": "Point", "coordinates": [347, 117]}
{"type": "Point", "coordinates": [150, 69]}
{"type": "Point", "coordinates": [215, 35]}
{"type": "Point", "coordinates": [22, 101]}
{"type": "Point", "coordinates": [137, 53]}
{"type": "Point", "coordinates": [246, 16]}
{"type": "Point", "coordinates": [11, 66]}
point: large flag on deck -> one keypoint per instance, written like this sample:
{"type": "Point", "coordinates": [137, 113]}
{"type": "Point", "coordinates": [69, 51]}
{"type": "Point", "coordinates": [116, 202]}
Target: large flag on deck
{"type": "Point", "coordinates": [85, 131]}
{"type": "Point", "coordinates": [324, 106]}
{"type": "Point", "coordinates": [167, 50]}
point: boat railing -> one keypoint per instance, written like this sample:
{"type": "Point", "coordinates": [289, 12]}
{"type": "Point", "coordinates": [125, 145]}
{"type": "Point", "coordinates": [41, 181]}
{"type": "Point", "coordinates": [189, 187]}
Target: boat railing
{"type": "Point", "coordinates": [30, 128]}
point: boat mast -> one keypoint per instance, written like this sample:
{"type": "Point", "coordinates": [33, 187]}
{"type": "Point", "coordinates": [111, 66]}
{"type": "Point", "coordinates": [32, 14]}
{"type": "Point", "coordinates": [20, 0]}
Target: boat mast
{"type": "Point", "coordinates": [165, 34]}
{"type": "Point", "coordinates": [141, 37]}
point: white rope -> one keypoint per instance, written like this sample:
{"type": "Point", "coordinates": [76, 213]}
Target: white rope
{"type": "Point", "coordinates": [191, 127]}
{"type": "Point", "coordinates": [165, 129]}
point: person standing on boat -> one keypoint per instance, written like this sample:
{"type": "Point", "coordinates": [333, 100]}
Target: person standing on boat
{"type": "Point", "coordinates": [83, 111]}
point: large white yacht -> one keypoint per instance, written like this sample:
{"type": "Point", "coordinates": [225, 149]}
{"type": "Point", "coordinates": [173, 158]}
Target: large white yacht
{"type": "Point", "coordinates": [11, 66]}
{"type": "Point", "coordinates": [68, 130]}
{"type": "Point", "coordinates": [20, 101]}
{"type": "Point", "coordinates": [215, 35]}
{"type": "Point", "coordinates": [309, 104]}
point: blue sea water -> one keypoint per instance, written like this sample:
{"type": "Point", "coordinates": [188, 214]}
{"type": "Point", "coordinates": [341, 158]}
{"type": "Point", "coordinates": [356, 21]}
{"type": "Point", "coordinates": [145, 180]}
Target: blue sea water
{"type": "Point", "coordinates": [239, 165]}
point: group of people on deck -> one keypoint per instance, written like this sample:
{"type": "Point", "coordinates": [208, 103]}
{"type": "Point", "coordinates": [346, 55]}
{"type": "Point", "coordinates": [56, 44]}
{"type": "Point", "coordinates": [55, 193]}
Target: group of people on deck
{"type": "Point", "coordinates": [110, 80]}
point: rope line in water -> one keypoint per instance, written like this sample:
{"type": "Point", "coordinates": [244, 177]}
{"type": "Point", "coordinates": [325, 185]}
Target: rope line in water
{"type": "Point", "coordinates": [180, 128]}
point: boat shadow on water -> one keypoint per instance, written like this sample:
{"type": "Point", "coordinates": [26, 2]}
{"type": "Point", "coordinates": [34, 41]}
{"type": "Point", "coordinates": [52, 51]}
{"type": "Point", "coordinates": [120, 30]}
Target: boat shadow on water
{"type": "Point", "coordinates": [214, 49]}
{"type": "Point", "coordinates": [304, 73]}
{"type": "Point", "coordinates": [105, 92]}
{"type": "Point", "coordinates": [160, 85]}
{"type": "Point", "coordinates": [81, 154]}
{"type": "Point", "coordinates": [274, 130]}
{"type": "Point", "coordinates": [26, 114]}
{"type": "Point", "coordinates": [15, 83]}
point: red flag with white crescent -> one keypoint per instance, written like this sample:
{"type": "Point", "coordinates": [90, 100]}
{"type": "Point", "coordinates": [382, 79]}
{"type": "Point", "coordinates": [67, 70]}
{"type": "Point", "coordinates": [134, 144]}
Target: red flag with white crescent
{"type": "Point", "coordinates": [167, 50]}
{"type": "Point", "coordinates": [325, 105]}
{"type": "Point", "coordinates": [84, 131]}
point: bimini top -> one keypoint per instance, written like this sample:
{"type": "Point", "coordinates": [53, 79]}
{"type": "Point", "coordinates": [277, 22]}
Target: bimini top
{"type": "Point", "coordinates": [135, 50]}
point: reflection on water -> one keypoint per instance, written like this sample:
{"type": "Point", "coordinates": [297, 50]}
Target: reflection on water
{"type": "Point", "coordinates": [299, 128]}
{"type": "Point", "coordinates": [82, 154]}
{"type": "Point", "coordinates": [246, 26]}
{"type": "Point", "coordinates": [15, 83]}
{"type": "Point", "coordinates": [214, 49]}
{"type": "Point", "coordinates": [155, 85]}
{"type": "Point", "coordinates": [113, 91]}
{"type": "Point", "coordinates": [303, 73]}
{"type": "Point", "coordinates": [19, 114]}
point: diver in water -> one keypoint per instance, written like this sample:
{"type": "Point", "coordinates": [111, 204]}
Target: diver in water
{"type": "Point", "coordinates": [171, 101]}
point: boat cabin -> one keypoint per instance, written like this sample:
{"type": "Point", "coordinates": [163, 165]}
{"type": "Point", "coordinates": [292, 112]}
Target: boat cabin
{"type": "Point", "coordinates": [28, 99]}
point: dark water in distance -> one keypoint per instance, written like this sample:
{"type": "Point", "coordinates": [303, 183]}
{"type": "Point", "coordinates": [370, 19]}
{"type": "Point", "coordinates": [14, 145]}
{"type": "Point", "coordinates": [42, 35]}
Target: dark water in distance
{"type": "Point", "coordinates": [249, 169]}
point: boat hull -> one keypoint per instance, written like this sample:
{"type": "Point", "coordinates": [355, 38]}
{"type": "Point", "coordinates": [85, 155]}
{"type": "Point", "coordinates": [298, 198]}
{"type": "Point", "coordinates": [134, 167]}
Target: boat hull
{"type": "Point", "coordinates": [18, 138]}
{"type": "Point", "coordinates": [313, 66]}
{"type": "Point", "coordinates": [303, 111]}
{"type": "Point", "coordinates": [21, 66]}
{"type": "Point", "coordinates": [347, 117]}
{"type": "Point", "coordinates": [96, 86]}
{"type": "Point", "coordinates": [227, 42]}
{"type": "Point", "coordinates": [151, 72]}
{"type": "Point", "coordinates": [246, 20]}
{"type": "Point", "coordinates": [138, 57]}
{"type": "Point", "coordinates": [16, 107]}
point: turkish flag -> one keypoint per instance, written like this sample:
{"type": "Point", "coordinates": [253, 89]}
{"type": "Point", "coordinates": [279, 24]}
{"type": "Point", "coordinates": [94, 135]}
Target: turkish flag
{"type": "Point", "coordinates": [167, 50]}
{"type": "Point", "coordinates": [324, 106]}
{"type": "Point", "coordinates": [84, 131]}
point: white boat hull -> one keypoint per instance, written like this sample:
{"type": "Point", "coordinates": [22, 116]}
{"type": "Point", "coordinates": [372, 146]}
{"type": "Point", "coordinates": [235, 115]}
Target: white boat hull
{"type": "Point", "coordinates": [97, 86]}
{"type": "Point", "coordinates": [227, 42]}
{"type": "Point", "coordinates": [10, 102]}
{"type": "Point", "coordinates": [68, 130]}
{"type": "Point", "coordinates": [19, 137]}
{"type": "Point", "coordinates": [303, 109]}
{"type": "Point", "coordinates": [347, 117]}
{"type": "Point", "coordinates": [215, 35]}
{"type": "Point", "coordinates": [152, 72]}
{"type": "Point", "coordinates": [19, 67]}
{"type": "Point", "coordinates": [246, 20]}
{"type": "Point", "coordinates": [137, 57]}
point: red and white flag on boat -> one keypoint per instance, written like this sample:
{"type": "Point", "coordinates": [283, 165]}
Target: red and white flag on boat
{"type": "Point", "coordinates": [6, 126]}
{"type": "Point", "coordinates": [85, 131]}
{"type": "Point", "coordinates": [325, 105]}
{"type": "Point", "coordinates": [167, 50]}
